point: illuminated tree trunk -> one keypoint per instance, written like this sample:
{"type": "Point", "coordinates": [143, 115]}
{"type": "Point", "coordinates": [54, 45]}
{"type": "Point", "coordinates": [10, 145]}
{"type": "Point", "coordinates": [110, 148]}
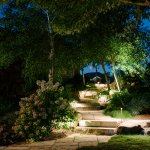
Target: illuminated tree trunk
{"type": "Point", "coordinates": [51, 55]}
{"type": "Point", "coordinates": [106, 78]}
{"type": "Point", "coordinates": [115, 76]}
{"type": "Point", "coordinates": [83, 76]}
{"type": "Point", "coordinates": [52, 50]}
{"type": "Point", "coordinates": [96, 69]}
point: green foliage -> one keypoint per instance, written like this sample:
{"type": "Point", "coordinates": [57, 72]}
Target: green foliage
{"type": "Point", "coordinates": [6, 58]}
{"type": "Point", "coordinates": [8, 52]}
{"type": "Point", "coordinates": [119, 100]}
{"type": "Point", "coordinates": [74, 16]}
{"type": "Point", "coordinates": [103, 26]}
{"type": "Point", "coordinates": [42, 111]}
{"type": "Point", "coordinates": [97, 36]}
{"type": "Point", "coordinates": [25, 45]}
{"type": "Point", "coordinates": [140, 103]}
{"type": "Point", "coordinates": [35, 68]}
{"type": "Point", "coordinates": [104, 92]}
{"type": "Point", "coordinates": [118, 114]}
{"type": "Point", "coordinates": [135, 103]}
{"type": "Point", "coordinates": [68, 92]}
{"type": "Point", "coordinates": [130, 57]}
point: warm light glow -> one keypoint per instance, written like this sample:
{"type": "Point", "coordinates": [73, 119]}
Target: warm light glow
{"type": "Point", "coordinates": [83, 94]}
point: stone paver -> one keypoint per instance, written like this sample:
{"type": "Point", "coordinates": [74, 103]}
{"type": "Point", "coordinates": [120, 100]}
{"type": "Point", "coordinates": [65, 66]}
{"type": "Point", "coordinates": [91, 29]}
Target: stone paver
{"type": "Point", "coordinates": [63, 140]}
{"type": "Point", "coordinates": [44, 143]}
{"type": "Point", "coordinates": [2, 147]}
{"type": "Point", "coordinates": [66, 144]}
{"type": "Point", "coordinates": [88, 116]}
{"type": "Point", "coordinates": [103, 139]}
{"type": "Point", "coordinates": [89, 138]}
{"type": "Point", "coordinates": [17, 148]}
{"type": "Point", "coordinates": [72, 142]}
{"type": "Point", "coordinates": [88, 144]}
{"type": "Point", "coordinates": [40, 148]}
{"type": "Point", "coordinates": [64, 148]}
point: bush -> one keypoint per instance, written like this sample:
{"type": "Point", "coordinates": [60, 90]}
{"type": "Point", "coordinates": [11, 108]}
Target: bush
{"type": "Point", "coordinates": [43, 111]}
{"type": "Point", "coordinates": [134, 103]}
{"type": "Point", "coordinates": [68, 92]}
{"type": "Point", "coordinates": [119, 100]}
{"type": "Point", "coordinates": [140, 103]}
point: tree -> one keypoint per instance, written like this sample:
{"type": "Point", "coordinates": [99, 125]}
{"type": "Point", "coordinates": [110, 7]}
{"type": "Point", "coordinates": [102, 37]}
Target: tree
{"type": "Point", "coordinates": [22, 24]}
{"type": "Point", "coordinates": [26, 29]}
{"type": "Point", "coordinates": [93, 40]}
{"type": "Point", "coordinates": [80, 17]}
{"type": "Point", "coordinates": [125, 56]}
{"type": "Point", "coordinates": [67, 55]}
{"type": "Point", "coordinates": [114, 49]}
{"type": "Point", "coordinates": [135, 2]}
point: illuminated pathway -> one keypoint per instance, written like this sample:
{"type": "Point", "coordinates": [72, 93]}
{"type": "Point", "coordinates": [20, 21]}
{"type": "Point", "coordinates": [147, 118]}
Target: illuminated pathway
{"type": "Point", "coordinates": [72, 142]}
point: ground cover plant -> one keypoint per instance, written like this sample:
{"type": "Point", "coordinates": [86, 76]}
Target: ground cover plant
{"type": "Point", "coordinates": [137, 142]}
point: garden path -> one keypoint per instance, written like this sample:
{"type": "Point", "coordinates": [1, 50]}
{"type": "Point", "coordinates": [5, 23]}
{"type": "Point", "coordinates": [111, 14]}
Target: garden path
{"type": "Point", "coordinates": [71, 142]}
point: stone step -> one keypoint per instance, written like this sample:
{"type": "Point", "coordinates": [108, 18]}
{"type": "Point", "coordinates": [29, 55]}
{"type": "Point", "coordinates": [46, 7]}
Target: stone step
{"type": "Point", "coordinates": [87, 94]}
{"type": "Point", "coordinates": [96, 115]}
{"type": "Point", "coordinates": [113, 123]}
{"type": "Point", "coordinates": [91, 112]}
{"type": "Point", "coordinates": [85, 106]}
{"type": "Point", "coordinates": [97, 130]}
{"type": "Point", "coordinates": [89, 100]}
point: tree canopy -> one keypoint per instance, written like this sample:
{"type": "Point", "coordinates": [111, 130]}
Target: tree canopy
{"type": "Point", "coordinates": [82, 32]}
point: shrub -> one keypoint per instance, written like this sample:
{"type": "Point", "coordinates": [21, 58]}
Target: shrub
{"type": "Point", "coordinates": [135, 103]}
{"type": "Point", "coordinates": [68, 92]}
{"type": "Point", "coordinates": [140, 103]}
{"type": "Point", "coordinates": [43, 111]}
{"type": "Point", "coordinates": [119, 100]}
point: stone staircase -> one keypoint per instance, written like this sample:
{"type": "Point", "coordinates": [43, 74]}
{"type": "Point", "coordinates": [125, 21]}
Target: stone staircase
{"type": "Point", "coordinates": [92, 119]}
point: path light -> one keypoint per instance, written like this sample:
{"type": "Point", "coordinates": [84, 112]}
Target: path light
{"type": "Point", "coordinates": [121, 115]}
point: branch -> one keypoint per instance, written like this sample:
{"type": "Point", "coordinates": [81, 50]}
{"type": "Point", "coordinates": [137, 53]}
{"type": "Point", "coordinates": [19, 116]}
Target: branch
{"type": "Point", "coordinates": [136, 2]}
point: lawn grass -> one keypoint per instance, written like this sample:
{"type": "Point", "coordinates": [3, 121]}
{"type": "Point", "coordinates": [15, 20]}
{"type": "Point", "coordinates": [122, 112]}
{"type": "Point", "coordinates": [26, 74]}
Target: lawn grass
{"type": "Point", "coordinates": [122, 142]}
